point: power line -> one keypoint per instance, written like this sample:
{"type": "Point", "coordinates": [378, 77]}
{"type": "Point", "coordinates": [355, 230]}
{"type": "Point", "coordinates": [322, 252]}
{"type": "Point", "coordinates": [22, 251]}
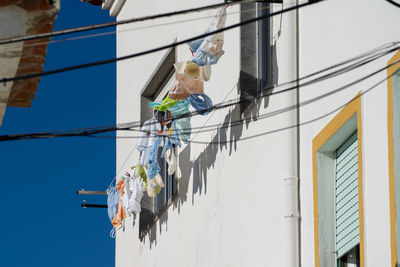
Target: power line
{"type": "Point", "coordinates": [304, 84]}
{"type": "Point", "coordinates": [393, 3]}
{"type": "Point", "coordinates": [137, 28]}
{"type": "Point", "coordinates": [294, 107]}
{"type": "Point", "coordinates": [129, 127]}
{"type": "Point", "coordinates": [115, 23]}
{"type": "Point", "coordinates": [376, 53]}
{"type": "Point", "coordinates": [219, 142]}
{"type": "Point", "coordinates": [107, 61]}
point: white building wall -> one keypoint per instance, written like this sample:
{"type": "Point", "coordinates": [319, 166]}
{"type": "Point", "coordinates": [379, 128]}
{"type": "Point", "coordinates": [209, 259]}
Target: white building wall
{"type": "Point", "coordinates": [331, 32]}
{"type": "Point", "coordinates": [230, 208]}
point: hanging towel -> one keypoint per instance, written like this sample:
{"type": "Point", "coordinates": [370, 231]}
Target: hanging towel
{"type": "Point", "coordinates": [210, 49]}
{"type": "Point", "coordinates": [140, 172]}
{"type": "Point", "coordinates": [154, 167]}
{"type": "Point", "coordinates": [201, 104]}
{"type": "Point", "coordinates": [171, 158]}
{"type": "Point", "coordinates": [149, 137]}
{"type": "Point", "coordinates": [132, 196]}
{"type": "Point", "coordinates": [181, 125]}
{"type": "Point", "coordinates": [112, 202]}
{"type": "Point", "coordinates": [120, 216]}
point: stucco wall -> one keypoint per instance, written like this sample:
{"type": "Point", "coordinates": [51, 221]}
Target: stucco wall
{"type": "Point", "coordinates": [230, 207]}
{"type": "Point", "coordinates": [331, 32]}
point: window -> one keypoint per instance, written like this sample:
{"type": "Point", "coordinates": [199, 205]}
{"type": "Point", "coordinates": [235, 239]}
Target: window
{"type": "Point", "coordinates": [157, 89]}
{"type": "Point", "coordinates": [337, 179]}
{"type": "Point", "coordinates": [347, 232]}
{"type": "Point", "coordinates": [394, 154]}
{"type": "Point", "coordinates": [255, 53]}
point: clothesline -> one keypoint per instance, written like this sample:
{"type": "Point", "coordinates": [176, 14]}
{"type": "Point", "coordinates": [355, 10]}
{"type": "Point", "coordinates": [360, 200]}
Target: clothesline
{"type": "Point", "coordinates": [168, 127]}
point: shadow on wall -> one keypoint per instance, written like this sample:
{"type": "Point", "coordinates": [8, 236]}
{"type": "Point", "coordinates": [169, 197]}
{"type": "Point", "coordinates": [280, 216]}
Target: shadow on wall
{"type": "Point", "coordinates": [231, 130]}
{"type": "Point", "coordinates": [225, 139]}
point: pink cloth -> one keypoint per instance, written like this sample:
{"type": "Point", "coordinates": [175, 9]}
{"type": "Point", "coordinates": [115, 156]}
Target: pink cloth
{"type": "Point", "coordinates": [176, 91]}
{"type": "Point", "coordinates": [191, 86]}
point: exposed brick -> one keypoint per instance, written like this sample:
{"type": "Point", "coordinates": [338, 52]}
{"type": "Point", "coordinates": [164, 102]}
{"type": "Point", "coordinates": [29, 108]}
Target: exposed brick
{"type": "Point", "coordinates": [19, 85]}
{"type": "Point", "coordinates": [8, 2]}
{"type": "Point", "coordinates": [19, 103]}
{"type": "Point", "coordinates": [21, 95]}
{"type": "Point", "coordinates": [31, 86]}
{"type": "Point", "coordinates": [32, 5]}
{"type": "Point", "coordinates": [29, 68]}
{"type": "Point", "coordinates": [37, 41]}
{"type": "Point", "coordinates": [41, 28]}
{"type": "Point", "coordinates": [24, 85]}
{"type": "Point", "coordinates": [31, 59]}
{"type": "Point", "coordinates": [40, 20]}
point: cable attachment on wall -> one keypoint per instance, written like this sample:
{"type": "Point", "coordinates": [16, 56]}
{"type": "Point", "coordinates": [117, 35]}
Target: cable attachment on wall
{"type": "Point", "coordinates": [85, 205]}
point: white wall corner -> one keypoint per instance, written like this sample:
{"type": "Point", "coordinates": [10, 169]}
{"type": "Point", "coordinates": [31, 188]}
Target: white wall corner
{"type": "Point", "coordinates": [117, 7]}
{"type": "Point", "coordinates": [107, 4]}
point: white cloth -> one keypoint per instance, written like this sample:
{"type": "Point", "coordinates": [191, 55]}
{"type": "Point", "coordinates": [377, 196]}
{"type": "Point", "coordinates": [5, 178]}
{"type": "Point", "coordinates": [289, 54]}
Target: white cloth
{"type": "Point", "coordinates": [151, 127]}
{"type": "Point", "coordinates": [132, 195]}
{"type": "Point", "coordinates": [171, 159]}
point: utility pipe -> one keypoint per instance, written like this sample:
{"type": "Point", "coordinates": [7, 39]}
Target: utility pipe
{"type": "Point", "coordinates": [289, 45]}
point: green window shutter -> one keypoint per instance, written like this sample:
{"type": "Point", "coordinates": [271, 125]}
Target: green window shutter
{"type": "Point", "coordinates": [347, 224]}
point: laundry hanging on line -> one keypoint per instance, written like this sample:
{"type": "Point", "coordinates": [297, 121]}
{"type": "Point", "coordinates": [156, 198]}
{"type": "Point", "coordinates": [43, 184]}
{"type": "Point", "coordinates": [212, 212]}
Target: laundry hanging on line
{"type": "Point", "coordinates": [170, 125]}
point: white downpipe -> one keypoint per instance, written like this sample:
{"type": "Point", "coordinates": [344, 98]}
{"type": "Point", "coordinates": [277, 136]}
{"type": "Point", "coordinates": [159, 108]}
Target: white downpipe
{"type": "Point", "coordinates": [291, 222]}
{"type": "Point", "coordinates": [290, 72]}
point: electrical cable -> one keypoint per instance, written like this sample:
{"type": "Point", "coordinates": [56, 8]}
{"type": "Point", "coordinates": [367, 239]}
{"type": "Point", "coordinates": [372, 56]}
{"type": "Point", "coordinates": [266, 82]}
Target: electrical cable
{"type": "Point", "coordinates": [115, 23]}
{"type": "Point", "coordinates": [307, 102]}
{"type": "Point", "coordinates": [112, 60]}
{"type": "Point", "coordinates": [137, 123]}
{"type": "Point", "coordinates": [123, 164]}
{"type": "Point", "coordinates": [97, 131]}
{"type": "Point", "coordinates": [298, 106]}
{"type": "Point", "coordinates": [138, 28]}
{"type": "Point", "coordinates": [322, 78]}
{"type": "Point", "coordinates": [393, 3]}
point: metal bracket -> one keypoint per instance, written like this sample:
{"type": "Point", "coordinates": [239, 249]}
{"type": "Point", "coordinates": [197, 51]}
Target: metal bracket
{"type": "Point", "coordinates": [84, 192]}
{"type": "Point", "coordinates": [85, 205]}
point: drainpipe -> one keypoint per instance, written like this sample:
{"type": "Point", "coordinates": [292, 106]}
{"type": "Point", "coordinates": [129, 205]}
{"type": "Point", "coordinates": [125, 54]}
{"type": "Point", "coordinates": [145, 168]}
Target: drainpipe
{"type": "Point", "coordinates": [289, 43]}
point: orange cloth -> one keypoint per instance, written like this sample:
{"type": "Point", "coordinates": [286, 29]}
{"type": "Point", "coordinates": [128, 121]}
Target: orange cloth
{"type": "Point", "coordinates": [120, 216]}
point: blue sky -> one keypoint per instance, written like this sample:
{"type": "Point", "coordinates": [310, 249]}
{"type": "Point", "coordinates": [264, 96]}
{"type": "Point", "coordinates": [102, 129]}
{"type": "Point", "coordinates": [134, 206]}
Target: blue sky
{"type": "Point", "coordinates": [42, 222]}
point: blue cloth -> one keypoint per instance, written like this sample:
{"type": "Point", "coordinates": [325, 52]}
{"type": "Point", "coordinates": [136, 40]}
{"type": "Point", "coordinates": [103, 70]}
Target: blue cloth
{"type": "Point", "coordinates": [200, 104]}
{"type": "Point", "coordinates": [202, 58]}
{"type": "Point", "coordinates": [171, 141]}
{"type": "Point", "coordinates": [154, 168]}
{"type": "Point", "coordinates": [182, 126]}
{"type": "Point", "coordinates": [112, 202]}
{"type": "Point", "coordinates": [194, 45]}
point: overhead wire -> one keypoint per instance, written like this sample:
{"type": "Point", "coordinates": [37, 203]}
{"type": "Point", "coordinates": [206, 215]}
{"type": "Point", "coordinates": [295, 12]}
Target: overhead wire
{"type": "Point", "coordinates": [324, 77]}
{"type": "Point", "coordinates": [130, 126]}
{"type": "Point", "coordinates": [393, 3]}
{"type": "Point", "coordinates": [139, 28]}
{"type": "Point", "coordinates": [219, 142]}
{"type": "Point", "coordinates": [112, 60]}
{"type": "Point", "coordinates": [285, 109]}
{"type": "Point", "coordinates": [115, 23]}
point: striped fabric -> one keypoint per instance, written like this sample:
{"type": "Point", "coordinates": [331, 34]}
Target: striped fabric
{"type": "Point", "coordinates": [346, 196]}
